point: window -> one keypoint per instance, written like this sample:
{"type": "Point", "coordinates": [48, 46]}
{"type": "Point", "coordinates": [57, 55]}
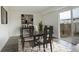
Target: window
{"type": "Point", "coordinates": [76, 13]}
{"type": "Point", "coordinates": [65, 15]}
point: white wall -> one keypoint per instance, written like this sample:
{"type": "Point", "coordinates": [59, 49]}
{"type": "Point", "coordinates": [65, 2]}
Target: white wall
{"type": "Point", "coordinates": [52, 19]}
{"type": "Point", "coordinates": [3, 33]}
{"type": "Point", "coordinates": [14, 20]}
{"type": "Point", "coordinates": [0, 14]}
{"type": "Point", "coordinates": [14, 24]}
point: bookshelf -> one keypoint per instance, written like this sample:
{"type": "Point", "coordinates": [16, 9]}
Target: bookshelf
{"type": "Point", "coordinates": [27, 25]}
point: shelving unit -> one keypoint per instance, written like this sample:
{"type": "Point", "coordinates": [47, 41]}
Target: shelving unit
{"type": "Point", "coordinates": [27, 25]}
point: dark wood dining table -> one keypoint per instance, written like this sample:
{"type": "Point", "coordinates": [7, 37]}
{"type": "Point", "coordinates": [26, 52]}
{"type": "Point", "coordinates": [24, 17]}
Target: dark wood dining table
{"type": "Point", "coordinates": [36, 36]}
{"type": "Point", "coordinates": [40, 35]}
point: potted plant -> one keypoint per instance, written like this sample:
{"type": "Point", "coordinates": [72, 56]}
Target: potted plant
{"type": "Point", "coordinates": [40, 27]}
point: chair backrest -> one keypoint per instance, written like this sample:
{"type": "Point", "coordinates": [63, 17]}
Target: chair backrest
{"type": "Point", "coordinates": [31, 30]}
{"type": "Point", "coordinates": [48, 32]}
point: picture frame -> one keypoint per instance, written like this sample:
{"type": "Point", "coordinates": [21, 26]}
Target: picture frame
{"type": "Point", "coordinates": [3, 16]}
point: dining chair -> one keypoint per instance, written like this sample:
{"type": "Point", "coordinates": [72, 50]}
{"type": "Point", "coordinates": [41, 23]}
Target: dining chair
{"type": "Point", "coordinates": [48, 37]}
{"type": "Point", "coordinates": [26, 38]}
{"type": "Point", "coordinates": [31, 30]}
{"type": "Point", "coordinates": [36, 40]}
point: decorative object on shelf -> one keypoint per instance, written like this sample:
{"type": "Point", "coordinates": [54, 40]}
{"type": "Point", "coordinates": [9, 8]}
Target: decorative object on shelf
{"type": "Point", "coordinates": [3, 16]}
{"type": "Point", "coordinates": [26, 20]}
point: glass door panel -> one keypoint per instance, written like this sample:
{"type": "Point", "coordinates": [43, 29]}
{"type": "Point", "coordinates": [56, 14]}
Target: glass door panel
{"type": "Point", "coordinates": [75, 15]}
{"type": "Point", "coordinates": [65, 24]}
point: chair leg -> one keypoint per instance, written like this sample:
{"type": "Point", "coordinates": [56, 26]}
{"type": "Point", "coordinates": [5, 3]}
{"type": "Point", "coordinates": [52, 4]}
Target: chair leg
{"type": "Point", "coordinates": [44, 47]}
{"type": "Point", "coordinates": [22, 45]}
{"type": "Point", "coordinates": [51, 45]}
{"type": "Point", "coordinates": [39, 45]}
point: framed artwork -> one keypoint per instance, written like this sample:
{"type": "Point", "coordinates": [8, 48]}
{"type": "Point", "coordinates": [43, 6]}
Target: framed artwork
{"type": "Point", "coordinates": [3, 16]}
{"type": "Point", "coordinates": [26, 19]}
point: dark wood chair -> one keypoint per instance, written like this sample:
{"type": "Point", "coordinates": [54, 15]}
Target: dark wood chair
{"type": "Point", "coordinates": [31, 30]}
{"type": "Point", "coordinates": [37, 37]}
{"type": "Point", "coordinates": [29, 37]}
{"type": "Point", "coordinates": [48, 37]}
{"type": "Point", "coordinates": [51, 36]}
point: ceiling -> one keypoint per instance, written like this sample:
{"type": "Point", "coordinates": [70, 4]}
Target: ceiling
{"type": "Point", "coordinates": [32, 8]}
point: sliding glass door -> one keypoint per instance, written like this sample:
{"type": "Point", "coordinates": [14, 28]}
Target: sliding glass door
{"type": "Point", "coordinates": [69, 25]}
{"type": "Point", "coordinates": [75, 21]}
{"type": "Point", "coordinates": [65, 24]}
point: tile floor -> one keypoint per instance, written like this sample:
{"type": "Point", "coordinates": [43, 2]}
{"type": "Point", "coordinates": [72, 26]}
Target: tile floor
{"type": "Point", "coordinates": [58, 46]}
